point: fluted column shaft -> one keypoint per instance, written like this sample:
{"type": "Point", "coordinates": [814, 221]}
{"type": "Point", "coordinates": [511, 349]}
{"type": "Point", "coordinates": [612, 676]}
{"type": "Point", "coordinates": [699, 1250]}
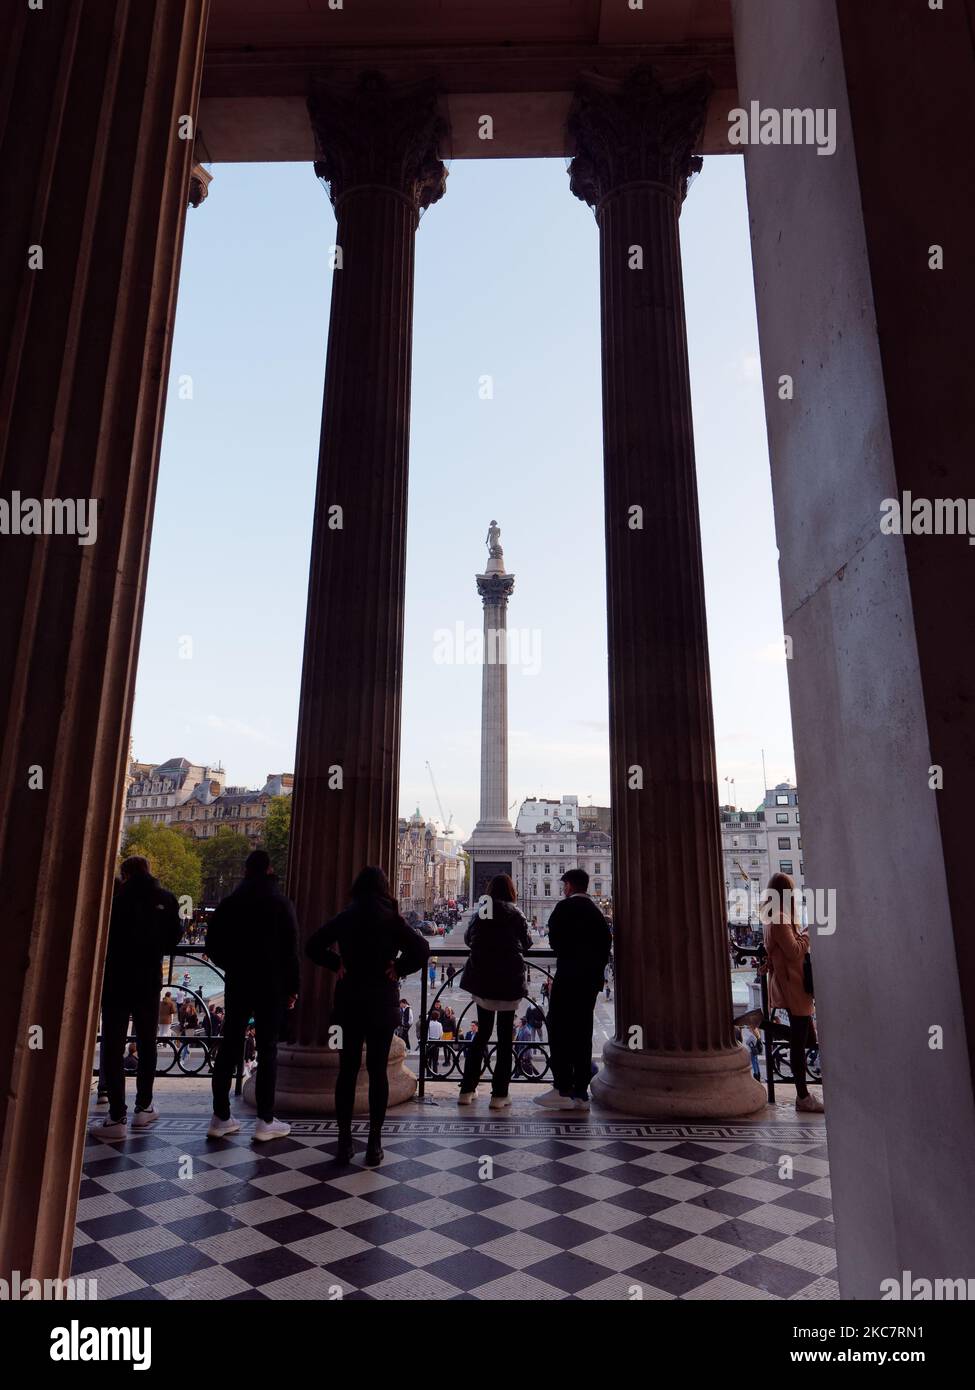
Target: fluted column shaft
{"type": "Point", "coordinates": [673, 992]}
{"type": "Point", "coordinates": [494, 714]}
{"type": "Point", "coordinates": [673, 966]}
{"type": "Point", "coordinates": [94, 177]}
{"type": "Point", "coordinates": [379, 158]}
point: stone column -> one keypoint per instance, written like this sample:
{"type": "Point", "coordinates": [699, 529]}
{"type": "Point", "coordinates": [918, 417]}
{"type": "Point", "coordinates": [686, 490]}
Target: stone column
{"type": "Point", "coordinates": [378, 149]}
{"type": "Point", "coordinates": [495, 589]}
{"type": "Point", "coordinates": [94, 177]}
{"type": "Point", "coordinates": [874, 328]}
{"type": "Point", "coordinates": [674, 1053]}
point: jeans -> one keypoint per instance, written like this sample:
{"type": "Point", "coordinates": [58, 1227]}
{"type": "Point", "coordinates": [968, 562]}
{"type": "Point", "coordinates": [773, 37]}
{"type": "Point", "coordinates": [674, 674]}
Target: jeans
{"type": "Point", "coordinates": [144, 1011]}
{"type": "Point", "coordinates": [474, 1061]}
{"type": "Point", "coordinates": [378, 1042]}
{"type": "Point", "coordinates": [570, 1035]}
{"type": "Point", "coordinates": [241, 1007]}
{"type": "Point", "coordinates": [800, 1037]}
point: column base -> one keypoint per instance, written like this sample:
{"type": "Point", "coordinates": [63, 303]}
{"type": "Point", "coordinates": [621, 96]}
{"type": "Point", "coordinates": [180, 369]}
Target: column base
{"type": "Point", "coordinates": [306, 1080]}
{"type": "Point", "coordinates": [678, 1086]}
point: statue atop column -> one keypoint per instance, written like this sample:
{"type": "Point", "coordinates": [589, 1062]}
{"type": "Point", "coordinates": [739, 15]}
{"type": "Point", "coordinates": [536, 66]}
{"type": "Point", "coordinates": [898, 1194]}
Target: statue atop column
{"type": "Point", "coordinates": [493, 541]}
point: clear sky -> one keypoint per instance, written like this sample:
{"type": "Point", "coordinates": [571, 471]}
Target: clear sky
{"type": "Point", "coordinates": [506, 288]}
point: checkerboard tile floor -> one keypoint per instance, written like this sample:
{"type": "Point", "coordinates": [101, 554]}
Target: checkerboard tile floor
{"type": "Point", "coordinates": [483, 1210]}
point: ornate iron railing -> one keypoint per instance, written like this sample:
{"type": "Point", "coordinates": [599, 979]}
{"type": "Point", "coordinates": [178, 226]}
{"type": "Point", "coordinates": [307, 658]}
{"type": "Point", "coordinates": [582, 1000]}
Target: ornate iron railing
{"type": "Point", "coordinates": [778, 1066]}
{"type": "Point", "coordinates": [186, 1054]}
{"type": "Point", "coordinates": [444, 1060]}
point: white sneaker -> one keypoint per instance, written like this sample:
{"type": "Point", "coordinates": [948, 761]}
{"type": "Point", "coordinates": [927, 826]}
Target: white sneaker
{"type": "Point", "coordinates": [500, 1103]}
{"type": "Point", "coordinates": [108, 1129]}
{"type": "Point", "coordinates": [142, 1119]}
{"type": "Point", "coordinates": [810, 1105]}
{"type": "Point", "coordinates": [555, 1100]}
{"type": "Point", "coordinates": [276, 1129]}
{"type": "Point", "coordinates": [466, 1097]}
{"type": "Point", "coordinates": [219, 1128]}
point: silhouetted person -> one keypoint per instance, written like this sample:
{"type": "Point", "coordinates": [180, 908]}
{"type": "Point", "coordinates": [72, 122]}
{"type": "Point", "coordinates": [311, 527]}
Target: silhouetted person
{"type": "Point", "coordinates": [373, 951]}
{"type": "Point", "coordinates": [495, 976]}
{"type": "Point", "coordinates": [144, 927]}
{"type": "Point", "coordinates": [253, 938]}
{"type": "Point", "coordinates": [580, 938]}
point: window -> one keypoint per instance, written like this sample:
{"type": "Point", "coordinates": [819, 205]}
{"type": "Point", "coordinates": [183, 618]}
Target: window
{"type": "Point", "coordinates": [548, 890]}
{"type": "Point", "coordinates": [548, 870]}
{"type": "Point", "coordinates": [561, 849]}
{"type": "Point", "coordinates": [782, 799]}
{"type": "Point", "coordinates": [782, 818]}
{"type": "Point", "coordinates": [597, 868]}
{"type": "Point", "coordinates": [785, 866]}
{"type": "Point", "coordinates": [797, 818]}
{"type": "Point", "coordinates": [785, 842]}
{"type": "Point", "coordinates": [799, 843]}
{"type": "Point", "coordinates": [546, 851]}
{"type": "Point", "coordinates": [752, 840]}
{"type": "Point", "coordinates": [599, 887]}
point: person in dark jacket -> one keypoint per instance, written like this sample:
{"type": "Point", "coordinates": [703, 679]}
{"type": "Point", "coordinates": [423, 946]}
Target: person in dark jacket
{"type": "Point", "coordinates": [253, 938]}
{"type": "Point", "coordinates": [580, 939]}
{"type": "Point", "coordinates": [495, 976]}
{"type": "Point", "coordinates": [372, 949]}
{"type": "Point", "coordinates": [144, 927]}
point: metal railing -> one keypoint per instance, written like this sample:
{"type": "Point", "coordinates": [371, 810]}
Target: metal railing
{"type": "Point", "coordinates": [778, 1066]}
{"type": "Point", "coordinates": [532, 1062]}
{"type": "Point", "coordinates": [186, 1054]}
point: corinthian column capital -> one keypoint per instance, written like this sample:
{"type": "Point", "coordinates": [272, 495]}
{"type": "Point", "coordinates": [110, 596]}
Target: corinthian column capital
{"type": "Point", "coordinates": [637, 131]}
{"type": "Point", "coordinates": [376, 135]}
{"type": "Point", "coordinates": [495, 588]}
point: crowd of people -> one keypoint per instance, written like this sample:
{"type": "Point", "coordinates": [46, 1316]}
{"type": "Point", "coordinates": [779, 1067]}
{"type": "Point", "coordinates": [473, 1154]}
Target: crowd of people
{"type": "Point", "coordinates": [370, 949]}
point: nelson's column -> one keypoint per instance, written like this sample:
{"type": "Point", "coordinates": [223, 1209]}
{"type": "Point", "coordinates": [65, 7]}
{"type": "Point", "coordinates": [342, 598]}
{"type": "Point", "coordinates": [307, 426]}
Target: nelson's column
{"type": "Point", "coordinates": [493, 846]}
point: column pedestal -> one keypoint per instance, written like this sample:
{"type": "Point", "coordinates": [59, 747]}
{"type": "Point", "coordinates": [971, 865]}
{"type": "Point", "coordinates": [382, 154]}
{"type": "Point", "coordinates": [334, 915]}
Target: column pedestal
{"type": "Point", "coordinates": [307, 1076]}
{"type": "Point", "coordinates": [378, 158]}
{"type": "Point", "coordinates": [674, 1055]}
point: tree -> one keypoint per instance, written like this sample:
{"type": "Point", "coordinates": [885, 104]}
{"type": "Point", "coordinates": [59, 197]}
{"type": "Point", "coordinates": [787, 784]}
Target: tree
{"type": "Point", "coordinates": [173, 857]}
{"type": "Point", "coordinates": [277, 834]}
{"type": "Point", "coordinates": [222, 863]}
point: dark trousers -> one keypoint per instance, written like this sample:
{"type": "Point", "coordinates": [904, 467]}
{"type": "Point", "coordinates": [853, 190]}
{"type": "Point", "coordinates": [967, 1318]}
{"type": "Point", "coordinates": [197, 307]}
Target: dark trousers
{"type": "Point", "coordinates": [570, 1014]}
{"type": "Point", "coordinates": [378, 1042]}
{"type": "Point", "coordinates": [143, 1007]}
{"type": "Point", "coordinates": [242, 1006]}
{"type": "Point", "coordinates": [800, 1037]}
{"type": "Point", "coordinates": [474, 1061]}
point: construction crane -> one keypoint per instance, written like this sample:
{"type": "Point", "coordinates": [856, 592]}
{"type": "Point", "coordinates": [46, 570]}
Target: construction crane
{"type": "Point", "coordinates": [447, 824]}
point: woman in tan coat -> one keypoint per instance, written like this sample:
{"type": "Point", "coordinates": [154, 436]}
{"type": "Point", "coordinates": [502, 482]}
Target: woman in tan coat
{"type": "Point", "coordinates": [786, 947]}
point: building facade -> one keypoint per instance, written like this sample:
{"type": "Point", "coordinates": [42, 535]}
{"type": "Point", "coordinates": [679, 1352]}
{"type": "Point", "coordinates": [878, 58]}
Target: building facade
{"type": "Point", "coordinates": [561, 816]}
{"type": "Point", "coordinates": [156, 791]}
{"type": "Point", "coordinates": [210, 807]}
{"type": "Point", "coordinates": [783, 832]}
{"type": "Point", "coordinates": [547, 853]}
{"type": "Point", "coordinates": [745, 861]}
{"type": "Point", "coordinates": [429, 866]}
